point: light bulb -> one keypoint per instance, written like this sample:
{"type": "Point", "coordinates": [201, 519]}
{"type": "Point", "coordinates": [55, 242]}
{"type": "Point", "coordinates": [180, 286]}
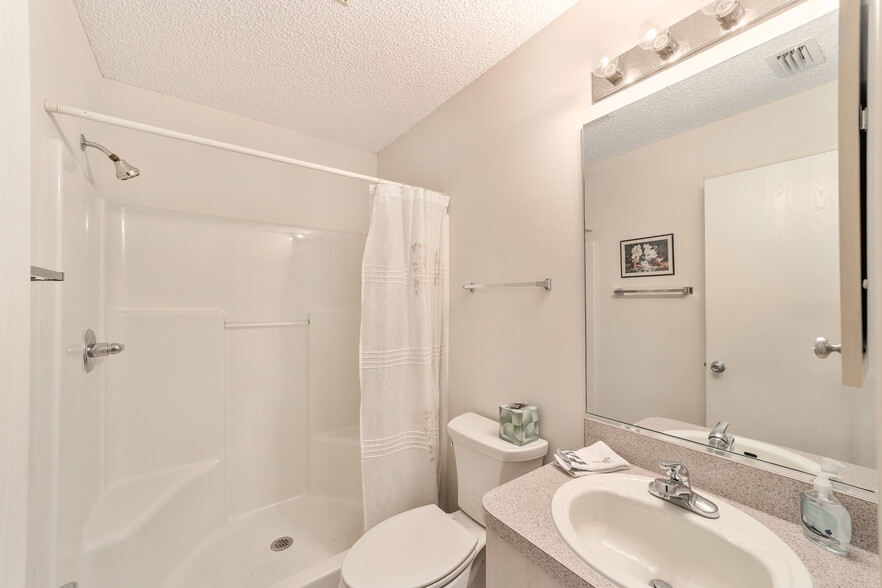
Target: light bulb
{"type": "Point", "coordinates": [607, 68]}
{"type": "Point", "coordinates": [657, 37]}
{"type": "Point", "coordinates": [661, 43]}
{"type": "Point", "coordinates": [729, 13]}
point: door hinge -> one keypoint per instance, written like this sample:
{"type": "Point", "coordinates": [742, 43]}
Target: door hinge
{"type": "Point", "coordinates": [864, 120]}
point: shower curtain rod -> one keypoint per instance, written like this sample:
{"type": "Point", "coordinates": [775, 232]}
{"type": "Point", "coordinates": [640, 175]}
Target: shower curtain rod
{"type": "Point", "coordinates": [55, 108]}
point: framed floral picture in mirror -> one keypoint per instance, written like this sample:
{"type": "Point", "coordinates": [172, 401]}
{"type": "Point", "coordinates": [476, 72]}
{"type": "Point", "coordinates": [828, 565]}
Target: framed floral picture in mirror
{"type": "Point", "coordinates": [648, 256]}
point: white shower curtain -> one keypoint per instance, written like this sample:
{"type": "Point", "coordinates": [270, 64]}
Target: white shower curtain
{"type": "Point", "coordinates": [403, 351]}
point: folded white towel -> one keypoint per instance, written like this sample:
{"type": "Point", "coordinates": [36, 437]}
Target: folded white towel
{"type": "Point", "coordinates": [596, 459]}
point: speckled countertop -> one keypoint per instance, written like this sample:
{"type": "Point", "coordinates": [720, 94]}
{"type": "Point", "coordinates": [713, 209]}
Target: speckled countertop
{"type": "Point", "coordinates": [520, 513]}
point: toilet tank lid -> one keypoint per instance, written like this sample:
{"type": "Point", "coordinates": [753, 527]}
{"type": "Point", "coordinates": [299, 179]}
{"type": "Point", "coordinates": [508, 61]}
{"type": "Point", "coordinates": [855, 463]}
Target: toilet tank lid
{"type": "Point", "coordinates": [482, 435]}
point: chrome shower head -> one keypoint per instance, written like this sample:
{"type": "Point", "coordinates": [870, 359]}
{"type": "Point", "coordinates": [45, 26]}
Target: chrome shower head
{"type": "Point", "coordinates": [124, 170]}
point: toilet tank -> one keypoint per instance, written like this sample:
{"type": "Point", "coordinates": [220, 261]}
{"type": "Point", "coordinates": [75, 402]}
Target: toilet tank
{"type": "Point", "coordinates": [484, 461]}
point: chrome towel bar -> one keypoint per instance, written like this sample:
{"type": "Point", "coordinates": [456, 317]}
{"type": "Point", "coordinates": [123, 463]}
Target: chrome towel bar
{"type": "Point", "coordinates": [546, 283]}
{"type": "Point", "coordinates": [685, 291]}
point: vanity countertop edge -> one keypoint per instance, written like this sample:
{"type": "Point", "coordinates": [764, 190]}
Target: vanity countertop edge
{"type": "Point", "coordinates": [519, 512]}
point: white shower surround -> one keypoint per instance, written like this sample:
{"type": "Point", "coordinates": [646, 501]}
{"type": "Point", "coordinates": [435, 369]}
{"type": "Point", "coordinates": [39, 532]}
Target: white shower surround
{"type": "Point", "coordinates": [188, 454]}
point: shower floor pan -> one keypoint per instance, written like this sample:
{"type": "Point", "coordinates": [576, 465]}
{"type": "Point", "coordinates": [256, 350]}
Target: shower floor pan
{"type": "Point", "coordinates": [240, 556]}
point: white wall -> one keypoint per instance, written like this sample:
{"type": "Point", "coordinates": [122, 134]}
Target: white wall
{"type": "Point", "coordinates": [14, 291]}
{"type": "Point", "coordinates": [61, 63]}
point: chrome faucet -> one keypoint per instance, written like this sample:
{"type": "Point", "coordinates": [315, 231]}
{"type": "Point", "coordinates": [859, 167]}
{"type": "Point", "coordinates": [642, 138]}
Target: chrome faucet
{"type": "Point", "coordinates": [677, 490]}
{"type": "Point", "coordinates": [718, 439]}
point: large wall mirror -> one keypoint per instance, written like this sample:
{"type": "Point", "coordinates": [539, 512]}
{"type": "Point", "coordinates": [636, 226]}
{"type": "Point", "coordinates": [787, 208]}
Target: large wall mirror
{"type": "Point", "coordinates": [728, 183]}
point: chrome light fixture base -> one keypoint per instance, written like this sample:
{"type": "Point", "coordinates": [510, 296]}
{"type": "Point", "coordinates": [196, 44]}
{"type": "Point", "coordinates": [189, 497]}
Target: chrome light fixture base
{"type": "Point", "coordinates": [690, 36]}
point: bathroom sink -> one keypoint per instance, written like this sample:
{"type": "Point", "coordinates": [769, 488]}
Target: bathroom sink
{"type": "Point", "coordinates": [632, 538]}
{"type": "Point", "coordinates": [758, 449]}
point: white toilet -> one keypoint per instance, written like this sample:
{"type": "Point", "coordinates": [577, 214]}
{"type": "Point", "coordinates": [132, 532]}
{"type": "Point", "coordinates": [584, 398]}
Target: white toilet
{"type": "Point", "coordinates": [427, 548]}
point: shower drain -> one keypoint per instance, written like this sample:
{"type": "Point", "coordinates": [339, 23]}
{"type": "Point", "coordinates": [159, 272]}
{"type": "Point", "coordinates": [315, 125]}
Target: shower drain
{"type": "Point", "coordinates": [281, 544]}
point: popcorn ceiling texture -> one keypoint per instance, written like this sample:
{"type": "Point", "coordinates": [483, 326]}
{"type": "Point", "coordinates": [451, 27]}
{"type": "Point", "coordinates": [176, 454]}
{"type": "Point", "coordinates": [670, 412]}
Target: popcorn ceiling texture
{"type": "Point", "coordinates": [359, 75]}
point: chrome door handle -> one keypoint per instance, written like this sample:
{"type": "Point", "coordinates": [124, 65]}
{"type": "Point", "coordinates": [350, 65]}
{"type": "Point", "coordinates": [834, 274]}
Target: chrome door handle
{"type": "Point", "coordinates": [823, 348]}
{"type": "Point", "coordinates": [105, 349]}
{"type": "Point", "coordinates": [718, 367]}
{"type": "Point", "coordinates": [93, 350]}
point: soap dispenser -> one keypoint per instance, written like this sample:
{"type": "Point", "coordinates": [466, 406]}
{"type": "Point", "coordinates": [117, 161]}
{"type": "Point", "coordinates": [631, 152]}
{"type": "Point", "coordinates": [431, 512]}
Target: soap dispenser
{"type": "Point", "coordinates": [824, 520]}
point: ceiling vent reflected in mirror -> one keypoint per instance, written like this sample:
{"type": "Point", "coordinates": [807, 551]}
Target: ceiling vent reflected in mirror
{"type": "Point", "coordinates": [796, 59]}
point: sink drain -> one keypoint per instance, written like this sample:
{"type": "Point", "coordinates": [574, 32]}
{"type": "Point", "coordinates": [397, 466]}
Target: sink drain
{"type": "Point", "coordinates": [281, 544]}
{"type": "Point", "coordinates": [659, 584]}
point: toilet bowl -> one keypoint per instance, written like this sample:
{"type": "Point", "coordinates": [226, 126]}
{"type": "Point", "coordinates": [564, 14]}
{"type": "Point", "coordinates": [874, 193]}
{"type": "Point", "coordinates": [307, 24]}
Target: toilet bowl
{"type": "Point", "coordinates": [427, 548]}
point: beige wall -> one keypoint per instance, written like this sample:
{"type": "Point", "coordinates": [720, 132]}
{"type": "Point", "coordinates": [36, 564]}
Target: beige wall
{"type": "Point", "coordinates": [191, 178]}
{"type": "Point", "coordinates": [650, 351]}
{"type": "Point", "coordinates": [507, 150]}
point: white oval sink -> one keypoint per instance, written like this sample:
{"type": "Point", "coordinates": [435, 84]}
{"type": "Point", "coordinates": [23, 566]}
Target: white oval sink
{"type": "Point", "coordinates": [764, 451]}
{"type": "Point", "coordinates": [631, 537]}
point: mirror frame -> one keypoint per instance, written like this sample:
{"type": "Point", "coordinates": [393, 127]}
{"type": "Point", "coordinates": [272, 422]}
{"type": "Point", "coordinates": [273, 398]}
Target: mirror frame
{"type": "Point", "coordinates": [852, 192]}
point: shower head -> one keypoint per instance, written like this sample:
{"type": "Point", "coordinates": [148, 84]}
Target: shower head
{"type": "Point", "coordinates": [124, 170]}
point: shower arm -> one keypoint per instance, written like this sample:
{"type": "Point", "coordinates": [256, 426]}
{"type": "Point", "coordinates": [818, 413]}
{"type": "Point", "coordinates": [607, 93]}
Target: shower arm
{"type": "Point", "coordinates": [86, 143]}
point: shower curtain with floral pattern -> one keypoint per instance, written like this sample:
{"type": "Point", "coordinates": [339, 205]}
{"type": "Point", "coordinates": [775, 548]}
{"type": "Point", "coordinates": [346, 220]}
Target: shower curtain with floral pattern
{"type": "Point", "coordinates": [403, 349]}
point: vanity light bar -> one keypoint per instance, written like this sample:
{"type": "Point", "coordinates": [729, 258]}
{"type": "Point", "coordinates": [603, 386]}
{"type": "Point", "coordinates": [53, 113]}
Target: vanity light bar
{"type": "Point", "coordinates": [690, 36]}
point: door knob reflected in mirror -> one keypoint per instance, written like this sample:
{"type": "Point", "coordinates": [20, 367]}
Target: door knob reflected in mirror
{"type": "Point", "coordinates": [92, 350]}
{"type": "Point", "coordinates": [718, 367]}
{"type": "Point", "coordinates": [823, 348]}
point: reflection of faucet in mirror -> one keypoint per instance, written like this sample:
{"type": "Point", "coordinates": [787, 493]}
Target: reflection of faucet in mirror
{"type": "Point", "coordinates": [718, 439]}
{"type": "Point", "coordinates": [677, 490]}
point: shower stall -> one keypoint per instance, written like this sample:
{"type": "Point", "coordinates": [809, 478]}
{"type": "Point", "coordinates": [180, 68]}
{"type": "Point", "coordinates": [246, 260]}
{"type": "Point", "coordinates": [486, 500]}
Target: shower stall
{"type": "Point", "coordinates": [219, 445]}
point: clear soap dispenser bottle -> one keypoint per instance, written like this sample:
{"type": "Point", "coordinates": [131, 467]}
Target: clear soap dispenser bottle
{"type": "Point", "coordinates": [824, 520]}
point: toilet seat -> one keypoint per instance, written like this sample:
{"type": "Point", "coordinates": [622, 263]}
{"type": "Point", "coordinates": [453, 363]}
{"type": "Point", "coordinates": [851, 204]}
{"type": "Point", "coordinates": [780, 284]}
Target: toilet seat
{"type": "Point", "coordinates": [420, 548]}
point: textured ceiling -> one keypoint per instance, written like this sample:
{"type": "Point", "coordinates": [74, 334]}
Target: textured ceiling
{"type": "Point", "coordinates": [359, 75]}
